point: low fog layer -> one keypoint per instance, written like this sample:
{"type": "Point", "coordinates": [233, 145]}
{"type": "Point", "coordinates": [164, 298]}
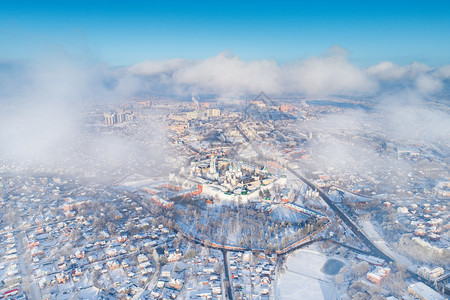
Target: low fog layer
{"type": "Point", "coordinates": [44, 118]}
{"type": "Point", "coordinates": [43, 102]}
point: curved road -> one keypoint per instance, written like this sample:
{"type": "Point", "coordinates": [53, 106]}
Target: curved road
{"type": "Point", "coordinates": [356, 230]}
{"type": "Point", "coordinates": [343, 217]}
{"type": "Point", "coordinates": [359, 233]}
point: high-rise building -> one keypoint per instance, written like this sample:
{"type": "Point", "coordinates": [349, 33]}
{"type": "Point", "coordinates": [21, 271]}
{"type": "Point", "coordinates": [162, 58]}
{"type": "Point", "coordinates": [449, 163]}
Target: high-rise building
{"type": "Point", "coordinates": [118, 117]}
{"type": "Point", "coordinates": [110, 118]}
{"type": "Point", "coordinates": [214, 112]}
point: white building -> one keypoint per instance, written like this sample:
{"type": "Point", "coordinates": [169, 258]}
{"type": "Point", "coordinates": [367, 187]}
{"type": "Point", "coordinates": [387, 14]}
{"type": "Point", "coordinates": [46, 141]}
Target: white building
{"type": "Point", "coordinates": [431, 274]}
{"type": "Point", "coordinates": [423, 292]}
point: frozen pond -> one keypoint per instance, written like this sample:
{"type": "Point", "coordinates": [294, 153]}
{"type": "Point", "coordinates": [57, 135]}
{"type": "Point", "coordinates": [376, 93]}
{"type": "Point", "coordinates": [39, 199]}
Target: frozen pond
{"type": "Point", "coordinates": [305, 277]}
{"type": "Point", "coordinates": [332, 266]}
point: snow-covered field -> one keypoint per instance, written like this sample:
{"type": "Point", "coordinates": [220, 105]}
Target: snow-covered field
{"type": "Point", "coordinates": [304, 279]}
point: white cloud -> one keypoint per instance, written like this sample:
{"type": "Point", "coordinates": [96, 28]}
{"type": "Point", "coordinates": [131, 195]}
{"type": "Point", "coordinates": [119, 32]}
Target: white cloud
{"type": "Point", "coordinates": [428, 84]}
{"type": "Point", "coordinates": [407, 115]}
{"type": "Point", "coordinates": [227, 73]}
{"type": "Point", "coordinates": [444, 72]}
{"type": "Point", "coordinates": [386, 71]}
{"type": "Point", "coordinates": [41, 121]}
{"type": "Point", "coordinates": [416, 76]}
{"type": "Point", "coordinates": [157, 67]}
{"type": "Point", "coordinates": [330, 73]}
{"type": "Point", "coordinates": [43, 99]}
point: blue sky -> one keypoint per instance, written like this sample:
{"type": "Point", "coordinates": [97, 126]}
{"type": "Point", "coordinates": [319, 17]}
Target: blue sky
{"type": "Point", "coordinates": [128, 32]}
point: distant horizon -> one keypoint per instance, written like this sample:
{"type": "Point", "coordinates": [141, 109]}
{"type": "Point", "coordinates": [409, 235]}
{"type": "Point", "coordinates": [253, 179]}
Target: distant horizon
{"type": "Point", "coordinates": [71, 52]}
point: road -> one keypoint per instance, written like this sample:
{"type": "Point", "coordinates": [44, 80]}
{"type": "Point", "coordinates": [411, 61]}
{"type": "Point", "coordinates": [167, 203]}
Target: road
{"type": "Point", "coordinates": [151, 284]}
{"type": "Point", "coordinates": [24, 251]}
{"type": "Point", "coordinates": [352, 225]}
{"type": "Point", "coordinates": [255, 147]}
{"type": "Point", "coordinates": [359, 233]}
{"type": "Point", "coordinates": [343, 216]}
{"type": "Point", "coordinates": [330, 203]}
{"type": "Point", "coordinates": [227, 282]}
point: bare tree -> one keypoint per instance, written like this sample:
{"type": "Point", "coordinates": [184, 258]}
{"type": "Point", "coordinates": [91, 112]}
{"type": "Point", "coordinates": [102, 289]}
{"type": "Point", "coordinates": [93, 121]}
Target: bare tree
{"type": "Point", "coordinates": [360, 268]}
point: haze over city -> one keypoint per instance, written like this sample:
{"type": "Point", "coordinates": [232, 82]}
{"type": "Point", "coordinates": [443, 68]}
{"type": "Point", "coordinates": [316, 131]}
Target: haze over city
{"type": "Point", "coordinates": [198, 150]}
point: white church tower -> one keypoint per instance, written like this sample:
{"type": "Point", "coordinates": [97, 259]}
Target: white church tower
{"type": "Point", "coordinates": [212, 165]}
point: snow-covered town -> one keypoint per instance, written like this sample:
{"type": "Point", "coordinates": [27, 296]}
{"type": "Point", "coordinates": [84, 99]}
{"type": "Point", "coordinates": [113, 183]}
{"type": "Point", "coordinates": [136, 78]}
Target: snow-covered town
{"type": "Point", "coordinates": [238, 150]}
{"type": "Point", "coordinates": [227, 202]}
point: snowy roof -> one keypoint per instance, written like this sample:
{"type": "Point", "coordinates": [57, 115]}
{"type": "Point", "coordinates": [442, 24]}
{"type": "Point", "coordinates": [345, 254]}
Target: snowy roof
{"type": "Point", "coordinates": [424, 291]}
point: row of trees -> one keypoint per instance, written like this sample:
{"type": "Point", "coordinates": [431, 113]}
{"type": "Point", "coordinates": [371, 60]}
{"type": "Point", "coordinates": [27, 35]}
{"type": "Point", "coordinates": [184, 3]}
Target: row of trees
{"type": "Point", "coordinates": [423, 254]}
{"type": "Point", "coordinates": [253, 228]}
